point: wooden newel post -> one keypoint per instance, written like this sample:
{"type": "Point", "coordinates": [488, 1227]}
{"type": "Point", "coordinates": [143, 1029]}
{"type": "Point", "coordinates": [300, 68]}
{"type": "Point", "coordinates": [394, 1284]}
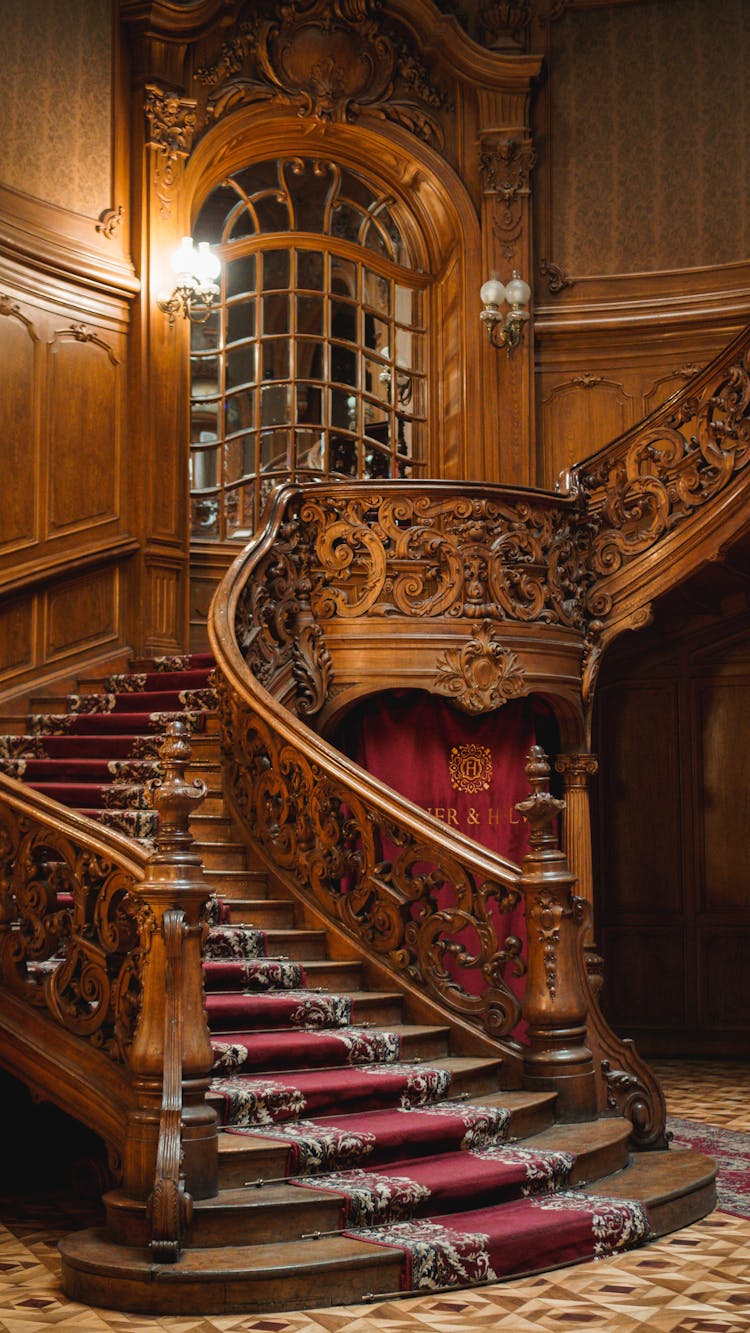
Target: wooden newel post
{"type": "Point", "coordinates": [555, 1006]}
{"type": "Point", "coordinates": [173, 893]}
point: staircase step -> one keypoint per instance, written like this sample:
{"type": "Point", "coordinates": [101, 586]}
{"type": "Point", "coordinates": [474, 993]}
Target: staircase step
{"type": "Point", "coordinates": [519, 1237]}
{"type": "Point", "coordinates": [248, 1159]}
{"type": "Point", "coordinates": [218, 855]}
{"type": "Point", "coordinates": [284, 1051]}
{"type": "Point", "coordinates": [265, 913]}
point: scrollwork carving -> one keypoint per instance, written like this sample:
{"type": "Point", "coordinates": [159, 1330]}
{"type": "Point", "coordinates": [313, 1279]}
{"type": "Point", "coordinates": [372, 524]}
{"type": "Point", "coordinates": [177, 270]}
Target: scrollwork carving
{"type": "Point", "coordinates": [424, 910]}
{"type": "Point", "coordinates": [556, 279]}
{"type": "Point", "coordinates": [506, 163]}
{"type": "Point", "coordinates": [481, 674]}
{"type": "Point", "coordinates": [331, 61]}
{"type": "Point", "coordinates": [172, 122]}
{"type": "Point", "coordinates": [410, 553]}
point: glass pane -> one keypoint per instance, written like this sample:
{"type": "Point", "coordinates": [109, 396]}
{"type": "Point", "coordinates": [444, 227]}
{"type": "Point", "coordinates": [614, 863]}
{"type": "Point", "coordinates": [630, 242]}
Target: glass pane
{"type": "Point", "coordinates": [274, 404]}
{"type": "Point", "coordinates": [377, 462]}
{"type": "Point", "coordinates": [310, 359]}
{"type": "Point", "coordinates": [274, 450]}
{"type": "Point", "coordinates": [343, 456]}
{"type": "Point", "coordinates": [406, 343]}
{"type": "Point", "coordinates": [209, 223]}
{"type": "Point", "coordinates": [377, 334]}
{"type": "Point", "coordinates": [204, 516]}
{"type": "Point", "coordinates": [310, 270]}
{"type": "Point", "coordinates": [205, 337]}
{"type": "Point", "coordinates": [309, 314]}
{"type": "Point", "coordinates": [240, 321]}
{"type": "Point", "coordinates": [377, 292]}
{"type": "Point", "coordinates": [377, 379]}
{"type": "Point", "coordinates": [344, 321]}
{"type": "Point", "coordinates": [275, 314]}
{"type": "Point", "coordinates": [241, 365]}
{"type": "Point", "coordinates": [275, 359]}
{"type": "Point", "coordinates": [407, 304]}
{"type": "Point", "coordinates": [273, 215]}
{"type": "Point", "coordinates": [204, 468]}
{"type": "Point", "coordinates": [239, 225]}
{"type": "Point", "coordinates": [344, 277]}
{"type": "Point", "coordinates": [239, 458]}
{"type": "Point", "coordinates": [344, 365]}
{"type": "Point", "coordinates": [309, 403]}
{"type": "Point", "coordinates": [240, 276]}
{"type": "Point", "coordinates": [204, 422]}
{"type": "Point", "coordinates": [373, 412]}
{"type": "Point", "coordinates": [343, 409]}
{"type": "Point", "coordinates": [275, 270]}
{"type": "Point", "coordinates": [204, 371]}
{"type": "Point", "coordinates": [346, 222]}
{"type": "Point", "coordinates": [240, 411]}
{"type": "Point", "coordinates": [310, 447]}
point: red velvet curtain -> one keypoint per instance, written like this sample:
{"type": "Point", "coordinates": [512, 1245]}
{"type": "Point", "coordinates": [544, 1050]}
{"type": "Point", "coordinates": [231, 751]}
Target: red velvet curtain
{"type": "Point", "coordinates": [467, 771]}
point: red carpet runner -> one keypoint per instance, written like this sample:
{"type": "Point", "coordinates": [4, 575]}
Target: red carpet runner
{"type": "Point", "coordinates": [354, 1116]}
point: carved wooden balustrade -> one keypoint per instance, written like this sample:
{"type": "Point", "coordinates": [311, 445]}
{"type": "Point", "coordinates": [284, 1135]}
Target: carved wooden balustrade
{"type": "Point", "coordinates": [664, 498]}
{"type": "Point", "coordinates": [102, 995]}
{"type": "Point", "coordinates": [474, 592]}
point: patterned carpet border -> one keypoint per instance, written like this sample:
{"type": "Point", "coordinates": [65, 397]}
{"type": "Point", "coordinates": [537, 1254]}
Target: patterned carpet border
{"type": "Point", "coordinates": [731, 1150]}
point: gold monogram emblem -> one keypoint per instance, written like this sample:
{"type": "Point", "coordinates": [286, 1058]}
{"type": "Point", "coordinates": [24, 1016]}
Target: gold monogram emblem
{"type": "Point", "coordinates": [470, 767]}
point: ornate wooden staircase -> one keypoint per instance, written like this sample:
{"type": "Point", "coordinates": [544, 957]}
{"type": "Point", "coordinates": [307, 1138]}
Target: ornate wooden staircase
{"type": "Point", "coordinates": [304, 1058]}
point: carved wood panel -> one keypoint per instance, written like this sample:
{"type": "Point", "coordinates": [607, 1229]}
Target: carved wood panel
{"type": "Point", "coordinates": [83, 430]}
{"type": "Point", "coordinates": [81, 613]}
{"type": "Point", "coordinates": [578, 414]}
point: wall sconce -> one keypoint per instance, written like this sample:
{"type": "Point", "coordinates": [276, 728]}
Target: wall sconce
{"type": "Point", "coordinates": [197, 269]}
{"type": "Point", "coordinates": [505, 330]}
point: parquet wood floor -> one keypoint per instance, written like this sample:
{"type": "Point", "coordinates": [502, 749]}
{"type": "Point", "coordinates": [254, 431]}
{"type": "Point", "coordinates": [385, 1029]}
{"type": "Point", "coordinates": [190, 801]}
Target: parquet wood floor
{"type": "Point", "coordinates": [697, 1281]}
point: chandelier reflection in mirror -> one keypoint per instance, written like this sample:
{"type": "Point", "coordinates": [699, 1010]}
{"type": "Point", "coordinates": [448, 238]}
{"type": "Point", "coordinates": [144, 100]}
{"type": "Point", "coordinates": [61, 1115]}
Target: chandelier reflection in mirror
{"type": "Point", "coordinates": [505, 329]}
{"type": "Point", "coordinates": [313, 361]}
{"type": "Point", "coordinates": [197, 269]}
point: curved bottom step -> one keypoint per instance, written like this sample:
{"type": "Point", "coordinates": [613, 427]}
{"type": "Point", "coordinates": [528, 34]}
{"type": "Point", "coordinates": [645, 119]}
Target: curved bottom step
{"type": "Point", "coordinates": [676, 1188]}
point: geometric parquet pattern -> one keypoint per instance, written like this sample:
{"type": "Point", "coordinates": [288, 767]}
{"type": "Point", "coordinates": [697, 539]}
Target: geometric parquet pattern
{"type": "Point", "coordinates": [697, 1281]}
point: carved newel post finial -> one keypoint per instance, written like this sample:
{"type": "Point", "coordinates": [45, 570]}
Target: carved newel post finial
{"type": "Point", "coordinates": [555, 1005]}
{"type": "Point", "coordinates": [175, 799]}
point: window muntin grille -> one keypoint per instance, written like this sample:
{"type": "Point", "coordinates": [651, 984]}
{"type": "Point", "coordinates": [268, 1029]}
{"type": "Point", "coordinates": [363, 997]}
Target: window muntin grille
{"type": "Point", "coordinates": [313, 363]}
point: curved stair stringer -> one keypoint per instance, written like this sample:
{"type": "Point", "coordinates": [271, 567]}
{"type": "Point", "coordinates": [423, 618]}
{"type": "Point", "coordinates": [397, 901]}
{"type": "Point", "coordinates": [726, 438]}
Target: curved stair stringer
{"type": "Point", "coordinates": [663, 499]}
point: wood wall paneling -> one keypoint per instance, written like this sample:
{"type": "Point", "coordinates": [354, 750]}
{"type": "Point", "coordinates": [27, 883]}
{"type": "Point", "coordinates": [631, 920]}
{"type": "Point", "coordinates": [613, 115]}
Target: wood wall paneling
{"type": "Point", "coordinates": [83, 430]}
{"type": "Point", "coordinates": [81, 613]}
{"type": "Point", "coordinates": [724, 981]}
{"type": "Point", "coordinates": [645, 974]}
{"type": "Point", "coordinates": [16, 636]}
{"type": "Point", "coordinates": [722, 793]}
{"type": "Point", "coordinates": [578, 414]}
{"type": "Point", "coordinates": [640, 801]}
{"type": "Point", "coordinates": [19, 344]}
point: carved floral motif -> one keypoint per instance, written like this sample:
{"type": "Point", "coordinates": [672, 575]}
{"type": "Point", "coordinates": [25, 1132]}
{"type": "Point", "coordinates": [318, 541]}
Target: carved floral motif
{"type": "Point", "coordinates": [481, 674]}
{"type": "Point", "coordinates": [330, 60]}
{"type": "Point", "coordinates": [506, 163]}
{"type": "Point", "coordinates": [172, 122]}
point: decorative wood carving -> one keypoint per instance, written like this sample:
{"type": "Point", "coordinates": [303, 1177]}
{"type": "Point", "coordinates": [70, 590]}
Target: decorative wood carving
{"type": "Point", "coordinates": [556, 279]}
{"type": "Point", "coordinates": [110, 219]}
{"type": "Point", "coordinates": [506, 162]}
{"type": "Point", "coordinates": [503, 19]}
{"type": "Point", "coordinates": [392, 886]}
{"type": "Point", "coordinates": [444, 552]}
{"type": "Point", "coordinates": [331, 60]}
{"type": "Point", "coordinates": [555, 1005]}
{"type": "Point", "coordinates": [649, 482]}
{"type": "Point", "coordinates": [482, 674]}
{"type": "Point", "coordinates": [172, 122]}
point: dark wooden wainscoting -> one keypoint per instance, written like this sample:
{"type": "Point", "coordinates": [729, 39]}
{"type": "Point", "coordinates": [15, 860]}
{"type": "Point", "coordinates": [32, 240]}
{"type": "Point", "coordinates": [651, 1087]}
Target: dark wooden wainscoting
{"type": "Point", "coordinates": [672, 821]}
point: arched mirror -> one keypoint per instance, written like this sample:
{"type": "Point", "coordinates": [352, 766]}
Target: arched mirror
{"type": "Point", "coordinates": [313, 361]}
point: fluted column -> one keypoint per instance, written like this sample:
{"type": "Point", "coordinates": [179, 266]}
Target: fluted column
{"type": "Point", "coordinates": [577, 769]}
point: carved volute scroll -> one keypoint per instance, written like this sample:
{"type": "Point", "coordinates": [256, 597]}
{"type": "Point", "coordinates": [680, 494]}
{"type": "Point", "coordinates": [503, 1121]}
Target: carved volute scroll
{"type": "Point", "coordinates": [556, 1004]}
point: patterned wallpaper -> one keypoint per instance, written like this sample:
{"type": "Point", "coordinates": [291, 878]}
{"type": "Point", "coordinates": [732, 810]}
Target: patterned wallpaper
{"type": "Point", "coordinates": [56, 101]}
{"type": "Point", "coordinates": [650, 138]}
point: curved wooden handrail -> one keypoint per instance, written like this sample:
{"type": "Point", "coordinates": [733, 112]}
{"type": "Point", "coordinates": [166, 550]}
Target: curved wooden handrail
{"type": "Point", "coordinates": [371, 860]}
{"type": "Point", "coordinates": [665, 497]}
